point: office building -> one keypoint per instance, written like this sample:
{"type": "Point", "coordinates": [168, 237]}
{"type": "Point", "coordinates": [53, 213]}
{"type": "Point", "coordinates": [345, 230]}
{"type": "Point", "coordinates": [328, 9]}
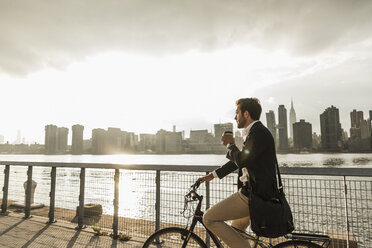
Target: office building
{"type": "Point", "coordinates": [292, 119]}
{"type": "Point", "coordinates": [219, 129]}
{"type": "Point", "coordinates": [147, 142]}
{"type": "Point", "coordinates": [168, 142]}
{"type": "Point", "coordinates": [62, 139]}
{"type": "Point", "coordinates": [283, 129]}
{"type": "Point", "coordinates": [98, 141]}
{"type": "Point", "coordinates": [114, 140]}
{"type": "Point", "coordinates": [51, 139]}
{"type": "Point", "coordinates": [271, 124]}
{"type": "Point", "coordinates": [77, 139]}
{"type": "Point", "coordinates": [302, 135]}
{"type": "Point", "coordinates": [331, 132]}
{"type": "Point", "coordinates": [356, 118]}
{"type": "Point", "coordinates": [200, 136]}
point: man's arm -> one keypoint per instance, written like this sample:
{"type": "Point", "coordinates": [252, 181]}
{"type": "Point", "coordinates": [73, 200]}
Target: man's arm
{"type": "Point", "coordinates": [255, 146]}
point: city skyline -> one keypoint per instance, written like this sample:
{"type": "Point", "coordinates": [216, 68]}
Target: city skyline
{"type": "Point", "coordinates": [264, 115]}
{"type": "Point", "coordinates": [144, 66]}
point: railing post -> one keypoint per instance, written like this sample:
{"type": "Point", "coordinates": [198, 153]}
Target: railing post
{"type": "Point", "coordinates": [157, 203]}
{"type": "Point", "coordinates": [207, 206]}
{"type": "Point", "coordinates": [28, 193]}
{"type": "Point", "coordinates": [116, 204]}
{"type": "Point", "coordinates": [346, 215]}
{"type": "Point", "coordinates": [81, 199]}
{"type": "Point", "coordinates": [52, 194]}
{"type": "Point", "coordinates": [5, 190]}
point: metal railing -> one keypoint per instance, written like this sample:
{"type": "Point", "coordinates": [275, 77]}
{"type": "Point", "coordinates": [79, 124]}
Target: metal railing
{"type": "Point", "coordinates": [139, 199]}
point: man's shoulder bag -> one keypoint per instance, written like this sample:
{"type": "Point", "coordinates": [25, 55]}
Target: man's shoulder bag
{"type": "Point", "coordinates": [271, 218]}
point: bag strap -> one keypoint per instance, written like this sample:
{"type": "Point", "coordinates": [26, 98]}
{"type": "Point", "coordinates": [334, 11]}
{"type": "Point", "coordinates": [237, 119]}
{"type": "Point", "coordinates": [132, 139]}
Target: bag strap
{"type": "Point", "coordinates": [279, 177]}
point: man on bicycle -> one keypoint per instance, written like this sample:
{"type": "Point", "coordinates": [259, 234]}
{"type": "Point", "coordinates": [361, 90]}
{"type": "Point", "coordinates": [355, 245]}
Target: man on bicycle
{"type": "Point", "coordinates": [256, 165]}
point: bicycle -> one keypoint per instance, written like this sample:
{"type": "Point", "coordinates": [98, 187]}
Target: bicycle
{"type": "Point", "coordinates": [173, 237]}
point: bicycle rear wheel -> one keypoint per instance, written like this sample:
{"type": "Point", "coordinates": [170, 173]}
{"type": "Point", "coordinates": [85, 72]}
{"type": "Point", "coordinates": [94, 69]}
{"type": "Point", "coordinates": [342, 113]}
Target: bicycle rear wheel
{"type": "Point", "coordinates": [173, 237]}
{"type": "Point", "coordinates": [297, 244]}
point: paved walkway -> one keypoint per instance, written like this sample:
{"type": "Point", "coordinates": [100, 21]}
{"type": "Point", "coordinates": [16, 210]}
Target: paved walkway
{"type": "Point", "coordinates": [33, 232]}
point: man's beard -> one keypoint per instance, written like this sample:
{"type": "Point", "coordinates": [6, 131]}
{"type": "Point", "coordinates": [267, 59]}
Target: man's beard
{"type": "Point", "coordinates": [242, 122]}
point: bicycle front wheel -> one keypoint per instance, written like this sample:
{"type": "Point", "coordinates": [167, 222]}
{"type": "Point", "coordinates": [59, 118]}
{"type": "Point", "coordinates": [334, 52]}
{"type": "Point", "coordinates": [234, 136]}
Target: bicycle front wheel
{"type": "Point", "coordinates": [173, 237]}
{"type": "Point", "coordinates": [297, 244]}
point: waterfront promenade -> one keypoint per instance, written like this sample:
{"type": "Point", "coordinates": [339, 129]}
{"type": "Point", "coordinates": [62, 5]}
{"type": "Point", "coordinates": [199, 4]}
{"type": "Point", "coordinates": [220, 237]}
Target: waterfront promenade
{"type": "Point", "coordinates": [15, 231]}
{"type": "Point", "coordinates": [136, 200]}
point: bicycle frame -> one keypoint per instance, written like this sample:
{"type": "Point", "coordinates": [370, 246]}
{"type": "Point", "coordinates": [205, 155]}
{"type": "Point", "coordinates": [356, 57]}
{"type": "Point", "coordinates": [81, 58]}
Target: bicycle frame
{"type": "Point", "coordinates": [198, 217]}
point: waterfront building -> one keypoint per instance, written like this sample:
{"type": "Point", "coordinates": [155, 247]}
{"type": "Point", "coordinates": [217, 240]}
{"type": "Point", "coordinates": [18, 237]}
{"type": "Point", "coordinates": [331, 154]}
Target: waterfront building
{"type": "Point", "coordinates": [129, 141]}
{"type": "Point", "coordinates": [62, 139]}
{"type": "Point", "coordinates": [113, 140]}
{"type": "Point", "coordinates": [98, 141]}
{"type": "Point", "coordinates": [292, 119]}
{"type": "Point", "coordinates": [77, 139]}
{"type": "Point", "coordinates": [200, 136]}
{"type": "Point", "coordinates": [302, 135]}
{"type": "Point", "coordinates": [51, 139]}
{"type": "Point", "coordinates": [147, 142]}
{"type": "Point", "coordinates": [219, 129]}
{"type": "Point", "coordinates": [283, 129]}
{"type": "Point", "coordinates": [356, 118]}
{"type": "Point", "coordinates": [331, 132]}
{"type": "Point", "coordinates": [168, 142]}
{"type": "Point", "coordinates": [271, 124]}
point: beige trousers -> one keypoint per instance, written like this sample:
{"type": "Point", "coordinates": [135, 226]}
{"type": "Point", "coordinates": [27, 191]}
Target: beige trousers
{"type": "Point", "coordinates": [234, 208]}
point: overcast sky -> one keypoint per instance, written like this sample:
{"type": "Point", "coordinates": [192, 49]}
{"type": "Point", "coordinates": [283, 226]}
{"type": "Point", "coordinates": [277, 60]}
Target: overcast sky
{"type": "Point", "coordinates": [146, 65]}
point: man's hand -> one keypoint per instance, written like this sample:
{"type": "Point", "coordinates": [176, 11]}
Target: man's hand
{"type": "Point", "coordinates": [227, 139]}
{"type": "Point", "coordinates": [206, 178]}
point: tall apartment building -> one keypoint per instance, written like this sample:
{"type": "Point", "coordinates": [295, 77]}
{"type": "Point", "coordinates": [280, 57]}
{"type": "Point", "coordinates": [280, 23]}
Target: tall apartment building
{"type": "Point", "coordinates": [147, 142]}
{"type": "Point", "coordinates": [62, 139]}
{"type": "Point", "coordinates": [77, 139]}
{"type": "Point", "coordinates": [292, 119]}
{"type": "Point", "coordinates": [302, 135]}
{"type": "Point", "coordinates": [283, 128]}
{"type": "Point", "coordinates": [168, 142]}
{"type": "Point", "coordinates": [98, 141]}
{"type": "Point", "coordinates": [271, 124]}
{"type": "Point", "coordinates": [219, 129]}
{"type": "Point", "coordinates": [330, 128]}
{"type": "Point", "coordinates": [114, 140]}
{"type": "Point", "coordinates": [51, 139]}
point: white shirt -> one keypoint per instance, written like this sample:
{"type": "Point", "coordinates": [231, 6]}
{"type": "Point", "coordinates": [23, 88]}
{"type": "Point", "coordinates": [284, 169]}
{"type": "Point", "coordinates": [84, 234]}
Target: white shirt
{"type": "Point", "coordinates": [246, 131]}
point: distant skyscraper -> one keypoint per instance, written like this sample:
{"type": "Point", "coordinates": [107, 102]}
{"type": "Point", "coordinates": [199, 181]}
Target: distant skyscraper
{"type": "Point", "coordinates": [302, 135]}
{"type": "Point", "coordinates": [77, 139]}
{"type": "Point", "coordinates": [271, 124]}
{"type": "Point", "coordinates": [62, 138]}
{"type": "Point", "coordinates": [1, 139]}
{"type": "Point", "coordinates": [283, 128]}
{"type": "Point", "coordinates": [292, 119]}
{"type": "Point", "coordinates": [51, 139]}
{"type": "Point", "coordinates": [168, 142]}
{"type": "Point", "coordinates": [219, 129]}
{"type": "Point", "coordinates": [98, 141]}
{"type": "Point", "coordinates": [330, 127]}
{"type": "Point", "coordinates": [356, 117]}
{"type": "Point", "coordinates": [114, 138]}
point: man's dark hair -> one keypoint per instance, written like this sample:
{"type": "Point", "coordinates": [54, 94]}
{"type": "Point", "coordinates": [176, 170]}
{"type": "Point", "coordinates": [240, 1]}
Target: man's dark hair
{"type": "Point", "coordinates": [252, 105]}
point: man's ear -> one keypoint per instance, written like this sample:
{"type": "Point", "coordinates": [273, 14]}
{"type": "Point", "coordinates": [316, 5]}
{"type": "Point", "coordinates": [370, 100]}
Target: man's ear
{"type": "Point", "coordinates": [246, 114]}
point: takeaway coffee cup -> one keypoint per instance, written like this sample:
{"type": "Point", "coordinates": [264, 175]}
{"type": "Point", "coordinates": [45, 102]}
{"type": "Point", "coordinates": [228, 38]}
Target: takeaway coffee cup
{"type": "Point", "coordinates": [226, 133]}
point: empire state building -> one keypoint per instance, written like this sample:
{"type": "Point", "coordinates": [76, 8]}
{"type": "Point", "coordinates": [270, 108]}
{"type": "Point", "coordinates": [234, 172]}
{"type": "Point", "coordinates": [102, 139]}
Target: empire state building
{"type": "Point", "coordinates": [292, 119]}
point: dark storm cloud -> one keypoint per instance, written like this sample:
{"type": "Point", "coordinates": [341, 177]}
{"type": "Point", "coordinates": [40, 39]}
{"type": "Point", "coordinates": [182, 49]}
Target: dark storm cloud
{"type": "Point", "coordinates": [37, 34]}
